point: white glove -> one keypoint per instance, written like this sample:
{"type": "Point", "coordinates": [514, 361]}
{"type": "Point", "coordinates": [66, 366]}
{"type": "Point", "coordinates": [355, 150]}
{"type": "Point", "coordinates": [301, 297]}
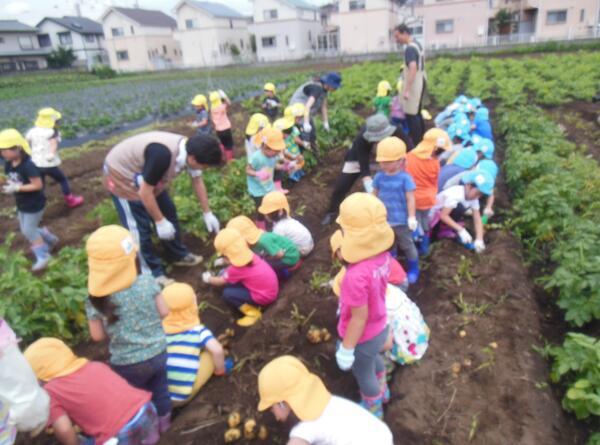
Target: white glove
{"type": "Point", "coordinates": [222, 94]}
{"type": "Point", "coordinates": [412, 223]}
{"type": "Point", "coordinates": [465, 236]}
{"type": "Point", "coordinates": [479, 245]}
{"type": "Point", "coordinates": [212, 223]}
{"type": "Point", "coordinates": [50, 157]}
{"type": "Point", "coordinates": [220, 262]}
{"type": "Point", "coordinates": [306, 144]}
{"type": "Point", "coordinates": [307, 127]}
{"type": "Point", "coordinates": [368, 185]}
{"type": "Point", "coordinates": [11, 187]}
{"type": "Point", "coordinates": [206, 276]}
{"type": "Point", "coordinates": [326, 126]}
{"type": "Point", "coordinates": [344, 358]}
{"type": "Point", "coordinates": [488, 212]}
{"type": "Point", "coordinates": [165, 229]}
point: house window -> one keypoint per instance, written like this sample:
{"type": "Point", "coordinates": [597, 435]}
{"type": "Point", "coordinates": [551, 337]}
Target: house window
{"type": "Point", "coordinates": [164, 49]}
{"type": "Point", "coordinates": [581, 16]}
{"type": "Point", "coordinates": [231, 23]}
{"type": "Point", "coordinates": [44, 40]}
{"type": "Point", "coordinates": [269, 14]}
{"type": "Point", "coordinates": [122, 55]}
{"type": "Point", "coordinates": [149, 55]}
{"type": "Point", "coordinates": [241, 44]}
{"type": "Point", "coordinates": [357, 4]}
{"type": "Point", "coordinates": [89, 38]}
{"type": "Point", "coordinates": [444, 26]}
{"type": "Point", "coordinates": [25, 42]}
{"type": "Point", "coordinates": [269, 42]}
{"type": "Point", "coordinates": [1, 39]}
{"type": "Point", "coordinates": [191, 24]}
{"type": "Point", "coordinates": [30, 65]}
{"type": "Point", "coordinates": [309, 36]}
{"type": "Point", "coordinates": [132, 30]}
{"type": "Point", "coordinates": [322, 42]}
{"type": "Point", "coordinates": [65, 38]}
{"type": "Point", "coordinates": [117, 32]}
{"type": "Point", "coordinates": [556, 17]}
{"type": "Point", "coordinates": [416, 30]}
{"type": "Point", "coordinates": [287, 41]}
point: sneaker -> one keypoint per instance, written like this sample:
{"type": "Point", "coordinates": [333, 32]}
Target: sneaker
{"type": "Point", "coordinates": [73, 201]}
{"type": "Point", "coordinates": [189, 260]}
{"type": "Point", "coordinates": [164, 281]}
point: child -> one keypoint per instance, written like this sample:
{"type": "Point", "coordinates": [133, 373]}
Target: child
{"type": "Point", "coordinates": [271, 103]}
{"type": "Point", "coordinates": [491, 167]}
{"type": "Point", "coordinates": [484, 147]}
{"type": "Point", "coordinates": [219, 102]}
{"type": "Point", "coordinates": [396, 189]}
{"type": "Point", "coordinates": [362, 325]}
{"type": "Point", "coordinates": [280, 252]}
{"type": "Point", "coordinates": [397, 115]}
{"type": "Point", "coordinates": [452, 203]}
{"type": "Point", "coordinates": [249, 281]}
{"type": "Point", "coordinates": [188, 366]}
{"type": "Point", "coordinates": [255, 125]}
{"type": "Point", "coordinates": [383, 99]}
{"type": "Point", "coordinates": [43, 139]}
{"type": "Point", "coordinates": [127, 309]}
{"type": "Point", "coordinates": [482, 123]}
{"type": "Point", "coordinates": [92, 396]}
{"type": "Point", "coordinates": [456, 166]}
{"type": "Point", "coordinates": [262, 165]}
{"type": "Point", "coordinates": [202, 122]}
{"type": "Point", "coordinates": [25, 183]}
{"type": "Point", "coordinates": [287, 387]}
{"type": "Point", "coordinates": [424, 167]}
{"type": "Point", "coordinates": [292, 149]}
{"type": "Point", "coordinates": [276, 209]}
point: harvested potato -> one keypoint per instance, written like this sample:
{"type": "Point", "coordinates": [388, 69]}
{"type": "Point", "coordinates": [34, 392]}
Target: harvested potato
{"type": "Point", "coordinates": [229, 332]}
{"type": "Point", "coordinates": [263, 434]}
{"type": "Point", "coordinates": [493, 345]}
{"type": "Point", "coordinates": [462, 334]}
{"type": "Point", "coordinates": [232, 434]}
{"type": "Point", "coordinates": [314, 335]}
{"type": "Point", "coordinates": [234, 419]}
{"type": "Point", "coordinates": [250, 429]}
{"type": "Point", "coordinates": [456, 368]}
{"type": "Point", "coordinates": [325, 335]}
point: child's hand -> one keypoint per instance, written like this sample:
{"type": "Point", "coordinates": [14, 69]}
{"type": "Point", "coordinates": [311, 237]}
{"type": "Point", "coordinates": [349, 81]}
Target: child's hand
{"type": "Point", "coordinates": [227, 367]}
{"type": "Point", "coordinates": [280, 254]}
{"type": "Point", "coordinates": [206, 276]}
{"type": "Point", "coordinates": [344, 358]}
{"type": "Point", "coordinates": [479, 246]}
{"type": "Point", "coordinates": [412, 223]}
{"type": "Point", "coordinates": [465, 236]}
{"type": "Point", "coordinates": [263, 174]}
{"type": "Point", "coordinates": [11, 187]}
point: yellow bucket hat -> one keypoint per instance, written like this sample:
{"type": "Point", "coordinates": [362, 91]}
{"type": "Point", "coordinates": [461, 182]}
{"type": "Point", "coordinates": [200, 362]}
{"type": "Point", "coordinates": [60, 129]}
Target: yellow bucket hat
{"type": "Point", "coordinates": [288, 112]}
{"type": "Point", "coordinates": [336, 241]}
{"type": "Point", "coordinates": [286, 379]}
{"type": "Point", "coordinates": [47, 118]}
{"type": "Point", "coordinates": [111, 260]}
{"type": "Point", "coordinates": [432, 139]}
{"type": "Point", "coordinates": [51, 358]}
{"type": "Point", "coordinates": [183, 308]}
{"type": "Point", "coordinates": [269, 87]}
{"type": "Point", "coordinates": [271, 137]}
{"type": "Point", "coordinates": [215, 99]}
{"type": "Point", "coordinates": [274, 201]}
{"type": "Point", "coordinates": [383, 88]}
{"type": "Point", "coordinates": [246, 227]}
{"type": "Point", "coordinates": [426, 114]}
{"type": "Point", "coordinates": [336, 286]}
{"type": "Point", "coordinates": [199, 100]}
{"type": "Point", "coordinates": [298, 110]}
{"type": "Point", "coordinates": [399, 85]}
{"type": "Point", "coordinates": [230, 243]}
{"type": "Point", "coordinates": [365, 228]}
{"type": "Point", "coordinates": [11, 138]}
{"type": "Point", "coordinates": [391, 149]}
{"type": "Point", "coordinates": [283, 123]}
{"type": "Point", "coordinates": [256, 123]}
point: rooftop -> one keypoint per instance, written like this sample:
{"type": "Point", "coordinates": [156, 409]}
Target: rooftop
{"type": "Point", "coordinates": [148, 17]}
{"type": "Point", "coordinates": [217, 9]}
{"type": "Point", "coordinates": [15, 26]}
{"type": "Point", "coordinates": [81, 25]}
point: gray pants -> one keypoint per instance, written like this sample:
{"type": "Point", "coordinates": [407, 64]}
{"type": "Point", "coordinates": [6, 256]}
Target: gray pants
{"type": "Point", "coordinates": [29, 224]}
{"type": "Point", "coordinates": [368, 362]}
{"type": "Point", "coordinates": [405, 242]}
{"type": "Point", "coordinates": [423, 220]}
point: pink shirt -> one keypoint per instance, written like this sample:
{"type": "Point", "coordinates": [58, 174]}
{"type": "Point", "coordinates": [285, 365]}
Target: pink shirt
{"type": "Point", "coordinates": [258, 277]}
{"type": "Point", "coordinates": [219, 117]}
{"type": "Point", "coordinates": [365, 283]}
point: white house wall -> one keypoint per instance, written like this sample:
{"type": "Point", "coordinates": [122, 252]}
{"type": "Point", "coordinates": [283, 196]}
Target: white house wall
{"type": "Point", "coordinates": [284, 12]}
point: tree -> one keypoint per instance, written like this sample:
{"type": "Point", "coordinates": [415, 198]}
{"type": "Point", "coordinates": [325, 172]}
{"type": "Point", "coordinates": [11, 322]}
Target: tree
{"type": "Point", "coordinates": [61, 58]}
{"type": "Point", "coordinates": [503, 21]}
{"type": "Point", "coordinates": [253, 43]}
{"type": "Point", "coordinates": [235, 51]}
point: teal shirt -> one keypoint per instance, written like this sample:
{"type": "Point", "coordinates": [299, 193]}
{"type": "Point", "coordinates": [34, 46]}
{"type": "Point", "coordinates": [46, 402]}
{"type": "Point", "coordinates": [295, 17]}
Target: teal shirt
{"type": "Point", "coordinates": [290, 142]}
{"type": "Point", "coordinates": [138, 334]}
{"type": "Point", "coordinates": [269, 244]}
{"type": "Point", "coordinates": [259, 161]}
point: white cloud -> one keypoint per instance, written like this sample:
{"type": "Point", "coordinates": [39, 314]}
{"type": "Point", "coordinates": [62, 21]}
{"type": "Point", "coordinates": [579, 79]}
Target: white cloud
{"type": "Point", "coordinates": [17, 8]}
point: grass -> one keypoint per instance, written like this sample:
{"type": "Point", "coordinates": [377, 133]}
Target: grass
{"type": "Point", "coordinates": [470, 308]}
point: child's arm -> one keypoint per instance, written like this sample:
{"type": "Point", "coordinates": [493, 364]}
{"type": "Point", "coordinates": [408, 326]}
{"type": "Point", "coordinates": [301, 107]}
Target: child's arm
{"type": "Point", "coordinates": [356, 326]}
{"type": "Point", "coordinates": [54, 145]}
{"type": "Point", "coordinates": [297, 441]}
{"type": "Point", "coordinates": [411, 205]}
{"type": "Point", "coordinates": [64, 431]}
{"type": "Point", "coordinates": [96, 327]}
{"type": "Point", "coordinates": [489, 205]}
{"type": "Point", "coordinates": [447, 219]}
{"type": "Point", "coordinates": [478, 224]}
{"type": "Point", "coordinates": [161, 306]}
{"type": "Point", "coordinates": [34, 185]}
{"type": "Point", "coordinates": [217, 281]}
{"type": "Point", "coordinates": [250, 171]}
{"type": "Point", "coordinates": [216, 351]}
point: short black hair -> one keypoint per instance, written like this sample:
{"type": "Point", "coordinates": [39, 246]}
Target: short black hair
{"type": "Point", "coordinates": [402, 28]}
{"type": "Point", "coordinates": [205, 149]}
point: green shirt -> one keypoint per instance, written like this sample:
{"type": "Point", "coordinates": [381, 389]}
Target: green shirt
{"type": "Point", "coordinates": [382, 105]}
{"type": "Point", "coordinates": [270, 244]}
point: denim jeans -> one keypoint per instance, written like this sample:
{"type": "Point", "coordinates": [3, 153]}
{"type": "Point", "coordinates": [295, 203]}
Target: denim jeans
{"type": "Point", "coordinates": [237, 295]}
{"type": "Point", "coordinates": [29, 224]}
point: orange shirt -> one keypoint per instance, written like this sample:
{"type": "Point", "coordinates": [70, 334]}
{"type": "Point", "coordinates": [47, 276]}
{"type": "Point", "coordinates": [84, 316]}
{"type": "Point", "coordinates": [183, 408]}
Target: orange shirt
{"type": "Point", "coordinates": [425, 173]}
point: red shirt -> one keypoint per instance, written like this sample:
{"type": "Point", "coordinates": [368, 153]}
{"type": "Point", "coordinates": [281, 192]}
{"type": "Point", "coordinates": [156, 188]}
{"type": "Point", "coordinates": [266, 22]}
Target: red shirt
{"type": "Point", "coordinates": [397, 274]}
{"type": "Point", "coordinates": [96, 399]}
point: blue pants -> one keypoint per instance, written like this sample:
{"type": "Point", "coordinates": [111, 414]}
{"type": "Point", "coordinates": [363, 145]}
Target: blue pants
{"type": "Point", "coordinates": [134, 216]}
{"type": "Point", "coordinates": [149, 375]}
{"type": "Point", "coordinates": [56, 174]}
{"type": "Point", "coordinates": [237, 295]}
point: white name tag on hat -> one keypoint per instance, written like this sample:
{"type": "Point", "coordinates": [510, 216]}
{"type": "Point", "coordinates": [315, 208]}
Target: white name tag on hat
{"type": "Point", "coordinates": [351, 167]}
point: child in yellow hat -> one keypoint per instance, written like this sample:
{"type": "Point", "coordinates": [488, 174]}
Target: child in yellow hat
{"type": "Point", "coordinates": [44, 139]}
{"type": "Point", "coordinates": [25, 183]}
{"type": "Point", "coordinates": [287, 387]}
{"type": "Point", "coordinates": [202, 121]}
{"type": "Point", "coordinates": [383, 100]}
{"type": "Point", "coordinates": [127, 308]}
{"type": "Point", "coordinates": [256, 123]}
{"type": "Point", "coordinates": [292, 154]}
{"type": "Point", "coordinates": [219, 104]}
{"type": "Point", "coordinates": [92, 396]}
{"type": "Point", "coordinates": [362, 325]}
{"type": "Point", "coordinates": [396, 189]}
{"type": "Point", "coordinates": [271, 103]}
{"type": "Point", "coordinates": [276, 209]}
{"type": "Point", "coordinates": [189, 366]}
{"type": "Point", "coordinates": [249, 281]}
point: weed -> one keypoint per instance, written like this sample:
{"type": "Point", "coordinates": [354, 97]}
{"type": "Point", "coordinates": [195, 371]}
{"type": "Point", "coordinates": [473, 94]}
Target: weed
{"type": "Point", "coordinates": [470, 308]}
{"type": "Point", "coordinates": [319, 282]}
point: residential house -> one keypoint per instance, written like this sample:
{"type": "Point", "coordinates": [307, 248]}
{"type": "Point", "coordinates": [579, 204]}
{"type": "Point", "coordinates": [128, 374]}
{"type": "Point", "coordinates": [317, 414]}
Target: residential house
{"type": "Point", "coordinates": [19, 47]}
{"type": "Point", "coordinates": [84, 36]}
{"type": "Point", "coordinates": [329, 36]}
{"type": "Point", "coordinates": [140, 39]}
{"type": "Point", "coordinates": [285, 29]}
{"type": "Point", "coordinates": [212, 34]}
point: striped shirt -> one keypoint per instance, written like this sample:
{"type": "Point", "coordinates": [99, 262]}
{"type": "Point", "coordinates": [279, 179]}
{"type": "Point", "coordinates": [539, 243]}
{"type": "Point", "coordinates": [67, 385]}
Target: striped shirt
{"type": "Point", "coordinates": [183, 360]}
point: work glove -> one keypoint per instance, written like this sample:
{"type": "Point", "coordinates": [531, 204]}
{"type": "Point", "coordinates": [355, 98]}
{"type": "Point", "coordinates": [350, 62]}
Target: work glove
{"type": "Point", "coordinates": [488, 212]}
{"type": "Point", "coordinates": [344, 358]}
{"type": "Point", "coordinates": [326, 126]}
{"type": "Point", "coordinates": [11, 187]}
{"type": "Point", "coordinates": [263, 175]}
{"type": "Point", "coordinates": [165, 229]}
{"type": "Point", "coordinates": [50, 157]}
{"type": "Point", "coordinates": [412, 223]}
{"type": "Point", "coordinates": [368, 185]}
{"type": "Point", "coordinates": [465, 236]}
{"type": "Point", "coordinates": [219, 262]}
{"type": "Point", "coordinates": [212, 223]}
{"type": "Point", "coordinates": [479, 245]}
{"type": "Point", "coordinates": [222, 94]}
{"type": "Point", "coordinates": [306, 144]}
{"type": "Point", "coordinates": [307, 127]}
{"type": "Point", "coordinates": [206, 276]}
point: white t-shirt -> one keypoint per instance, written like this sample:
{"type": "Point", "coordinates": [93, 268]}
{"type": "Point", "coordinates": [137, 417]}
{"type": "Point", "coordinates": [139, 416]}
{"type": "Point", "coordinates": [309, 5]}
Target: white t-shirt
{"type": "Point", "coordinates": [181, 161]}
{"type": "Point", "coordinates": [451, 197]}
{"type": "Point", "coordinates": [39, 141]}
{"type": "Point", "coordinates": [343, 423]}
{"type": "Point", "coordinates": [297, 233]}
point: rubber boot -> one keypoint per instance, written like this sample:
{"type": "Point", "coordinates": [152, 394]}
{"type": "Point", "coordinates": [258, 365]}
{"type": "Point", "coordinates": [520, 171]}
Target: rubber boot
{"type": "Point", "coordinates": [413, 271]}
{"type": "Point", "coordinates": [49, 238]}
{"type": "Point", "coordinates": [262, 225]}
{"type": "Point", "coordinates": [280, 188]}
{"type": "Point", "coordinates": [373, 404]}
{"type": "Point", "coordinates": [229, 155]}
{"type": "Point", "coordinates": [164, 423]}
{"type": "Point", "coordinates": [252, 315]}
{"type": "Point", "coordinates": [42, 257]}
{"type": "Point", "coordinates": [73, 201]}
{"type": "Point", "coordinates": [423, 247]}
{"type": "Point", "coordinates": [383, 384]}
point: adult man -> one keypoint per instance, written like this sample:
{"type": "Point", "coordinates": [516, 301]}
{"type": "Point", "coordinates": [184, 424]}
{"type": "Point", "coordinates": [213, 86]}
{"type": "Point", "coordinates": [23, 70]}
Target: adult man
{"type": "Point", "coordinates": [137, 174]}
{"type": "Point", "coordinates": [414, 81]}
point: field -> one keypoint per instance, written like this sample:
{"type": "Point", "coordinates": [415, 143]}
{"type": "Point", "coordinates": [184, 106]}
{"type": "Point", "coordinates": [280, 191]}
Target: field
{"type": "Point", "coordinates": [512, 359]}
